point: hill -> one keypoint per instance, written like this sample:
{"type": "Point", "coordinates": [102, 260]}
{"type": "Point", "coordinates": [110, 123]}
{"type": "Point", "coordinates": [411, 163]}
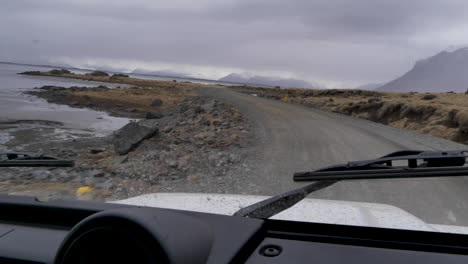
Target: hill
{"type": "Point", "coordinates": [443, 72]}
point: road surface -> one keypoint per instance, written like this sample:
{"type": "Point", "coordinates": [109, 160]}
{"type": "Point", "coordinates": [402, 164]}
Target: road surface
{"type": "Point", "coordinates": [294, 138]}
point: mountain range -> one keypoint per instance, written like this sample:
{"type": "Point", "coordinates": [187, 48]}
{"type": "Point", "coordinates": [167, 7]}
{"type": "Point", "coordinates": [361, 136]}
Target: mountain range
{"type": "Point", "coordinates": [167, 73]}
{"type": "Point", "coordinates": [369, 86]}
{"type": "Point", "coordinates": [443, 72]}
{"type": "Point", "coordinates": [267, 81]}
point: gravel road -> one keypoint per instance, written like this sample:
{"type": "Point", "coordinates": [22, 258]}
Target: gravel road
{"type": "Point", "coordinates": [294, 138]}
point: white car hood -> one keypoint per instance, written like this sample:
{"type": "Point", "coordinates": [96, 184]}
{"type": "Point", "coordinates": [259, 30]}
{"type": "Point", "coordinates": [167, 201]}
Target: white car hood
{"type": "Point", "coordinates": [308, 210]}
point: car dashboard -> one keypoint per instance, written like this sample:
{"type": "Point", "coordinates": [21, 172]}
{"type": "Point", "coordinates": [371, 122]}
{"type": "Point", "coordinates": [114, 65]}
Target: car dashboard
{"type": "Point", "coordinates": [33, 231]}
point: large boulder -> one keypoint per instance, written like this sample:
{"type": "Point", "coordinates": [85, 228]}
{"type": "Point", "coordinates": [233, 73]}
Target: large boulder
{"type": "Point", "coordinates": [157, 102]}
{"type": "Point", "coordinates": [153, 115]}
{"type": "Point", "coordinates": [132, 134]}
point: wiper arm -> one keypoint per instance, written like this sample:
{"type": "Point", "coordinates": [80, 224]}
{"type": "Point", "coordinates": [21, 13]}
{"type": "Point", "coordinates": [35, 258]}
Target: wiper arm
{"type": "Point", "coordinates": [276, 204]}
{"type": "Point", "coordinates": [432, 164]}
{"type": "Point", "coordinates": [25, 159]}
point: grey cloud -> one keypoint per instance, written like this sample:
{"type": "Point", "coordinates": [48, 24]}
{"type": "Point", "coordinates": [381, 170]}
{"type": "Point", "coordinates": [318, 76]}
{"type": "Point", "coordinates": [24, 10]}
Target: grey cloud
{"type": "Point", "coordinates": [357, 16]}
{"type": "Point", "coordinates": [333, 40]}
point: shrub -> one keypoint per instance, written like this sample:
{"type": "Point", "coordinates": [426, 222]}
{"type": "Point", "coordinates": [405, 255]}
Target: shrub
{"type": "Point", "coordinates": [99, 73]}
{"type": "Point", "coordinates": [428, 97]}
{"type": "Point", "coordinates": [61, 71]}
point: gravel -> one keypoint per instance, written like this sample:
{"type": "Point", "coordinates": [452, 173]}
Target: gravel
{"type": "Point", "coordinates": [201, 139]}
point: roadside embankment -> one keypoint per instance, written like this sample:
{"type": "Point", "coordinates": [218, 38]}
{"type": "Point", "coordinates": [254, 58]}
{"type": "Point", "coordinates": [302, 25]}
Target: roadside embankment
{"type": "Point", "coordinates": [443, 115]}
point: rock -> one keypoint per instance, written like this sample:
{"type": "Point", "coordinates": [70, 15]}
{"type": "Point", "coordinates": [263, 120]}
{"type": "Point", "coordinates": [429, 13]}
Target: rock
{"type": "Point", "coordinates": [99, 73]}
{"type": "Point", "coordinates": [157, 102]}
{"type": "Point", "coordinates": [131, 135]}
{"type": "Point", "coordinates": [120, 160]}
{"type": "Point", "coordinates": [428, 97]}
{"type": "Point", "coordinates": [183, 108]}
{"type": "Point", "coordinates": [208, 106]}
{"type": "Point", "coordinates": [31, 72]}
{"type": "Point", "coordinates": [203, 135]}
{"type": "Point", "coordinates": [214, 156]}
{"type": "Point", "coordinates": [52, 88]}
{"type": "Point", "coordinates": [198, 110]}
{"type": "Point", "coordinates": [86, 97]}
{"type": "Point", "coordinates": [99, 174]}
{"type": "Point", "coordinates": [131, 110]}
{"type": "Point", "coordinates": [167, 129]}
{"type": "Point", "coordinates": [183, 162]}
{"type": "Point", "coordinates": [153, 115]}
{"type": "Point", "coordinates": [95, 151]}
{"type": "Point", "coordinates": [194, 176]}
{"type": "Point", "coordinates": [172, 163]}
{"type": "Point", "coordinates": [120, 75]}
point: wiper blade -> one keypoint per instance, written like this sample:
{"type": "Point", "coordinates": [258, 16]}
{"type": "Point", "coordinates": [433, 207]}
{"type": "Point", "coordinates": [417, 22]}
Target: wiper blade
{"type": "Point", "coordinates": [431, 164]}
{"type": "Point", "coordinates": [25, 159]}
{"type": "Point", "coordinates": [381, 174]}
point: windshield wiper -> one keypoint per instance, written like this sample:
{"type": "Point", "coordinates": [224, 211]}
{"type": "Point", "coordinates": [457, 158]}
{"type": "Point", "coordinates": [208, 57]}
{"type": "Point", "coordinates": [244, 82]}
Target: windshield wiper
{"type": "Point", "coordinates": [25, 159]}
{"type": "Point", "coordinates": [419, 164]}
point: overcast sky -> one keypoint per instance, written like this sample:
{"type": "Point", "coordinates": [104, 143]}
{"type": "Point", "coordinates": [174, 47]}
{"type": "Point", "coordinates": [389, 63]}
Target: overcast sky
{"type": "Point", "coordinates": [338, 43]}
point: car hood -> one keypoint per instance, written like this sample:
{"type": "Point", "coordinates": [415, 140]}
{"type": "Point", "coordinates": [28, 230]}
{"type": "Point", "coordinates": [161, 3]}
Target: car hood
{"type": "Point", "coordinates": [308, 210]}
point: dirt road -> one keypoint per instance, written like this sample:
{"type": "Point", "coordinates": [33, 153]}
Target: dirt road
{"type": "Point", "coordinates": [294, 138]}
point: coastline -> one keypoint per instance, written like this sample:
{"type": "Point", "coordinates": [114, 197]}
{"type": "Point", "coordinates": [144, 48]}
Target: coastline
{"type": "Point", "coordinates": [196, 136]}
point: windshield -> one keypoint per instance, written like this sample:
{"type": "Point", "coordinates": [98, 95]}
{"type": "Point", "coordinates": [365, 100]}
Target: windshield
{"type": "Point", "coordinates": [233, 97]}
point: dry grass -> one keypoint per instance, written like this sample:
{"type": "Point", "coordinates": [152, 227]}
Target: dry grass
{"type": "Point", "coordinates": [169, 92]}
{"type": "Point", "coordinates": [139, 99]}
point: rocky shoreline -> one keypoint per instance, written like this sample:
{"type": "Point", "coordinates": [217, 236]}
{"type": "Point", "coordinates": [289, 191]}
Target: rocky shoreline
{"type": "Point", "coordinates": [190, 139]}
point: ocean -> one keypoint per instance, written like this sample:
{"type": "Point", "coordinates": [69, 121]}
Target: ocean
{"type": "Point", "coordinates": [16, 106]}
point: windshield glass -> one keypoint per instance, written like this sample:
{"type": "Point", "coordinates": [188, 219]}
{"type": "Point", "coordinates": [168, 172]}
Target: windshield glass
{"type": "Point", "coordinates": [234, 97]}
